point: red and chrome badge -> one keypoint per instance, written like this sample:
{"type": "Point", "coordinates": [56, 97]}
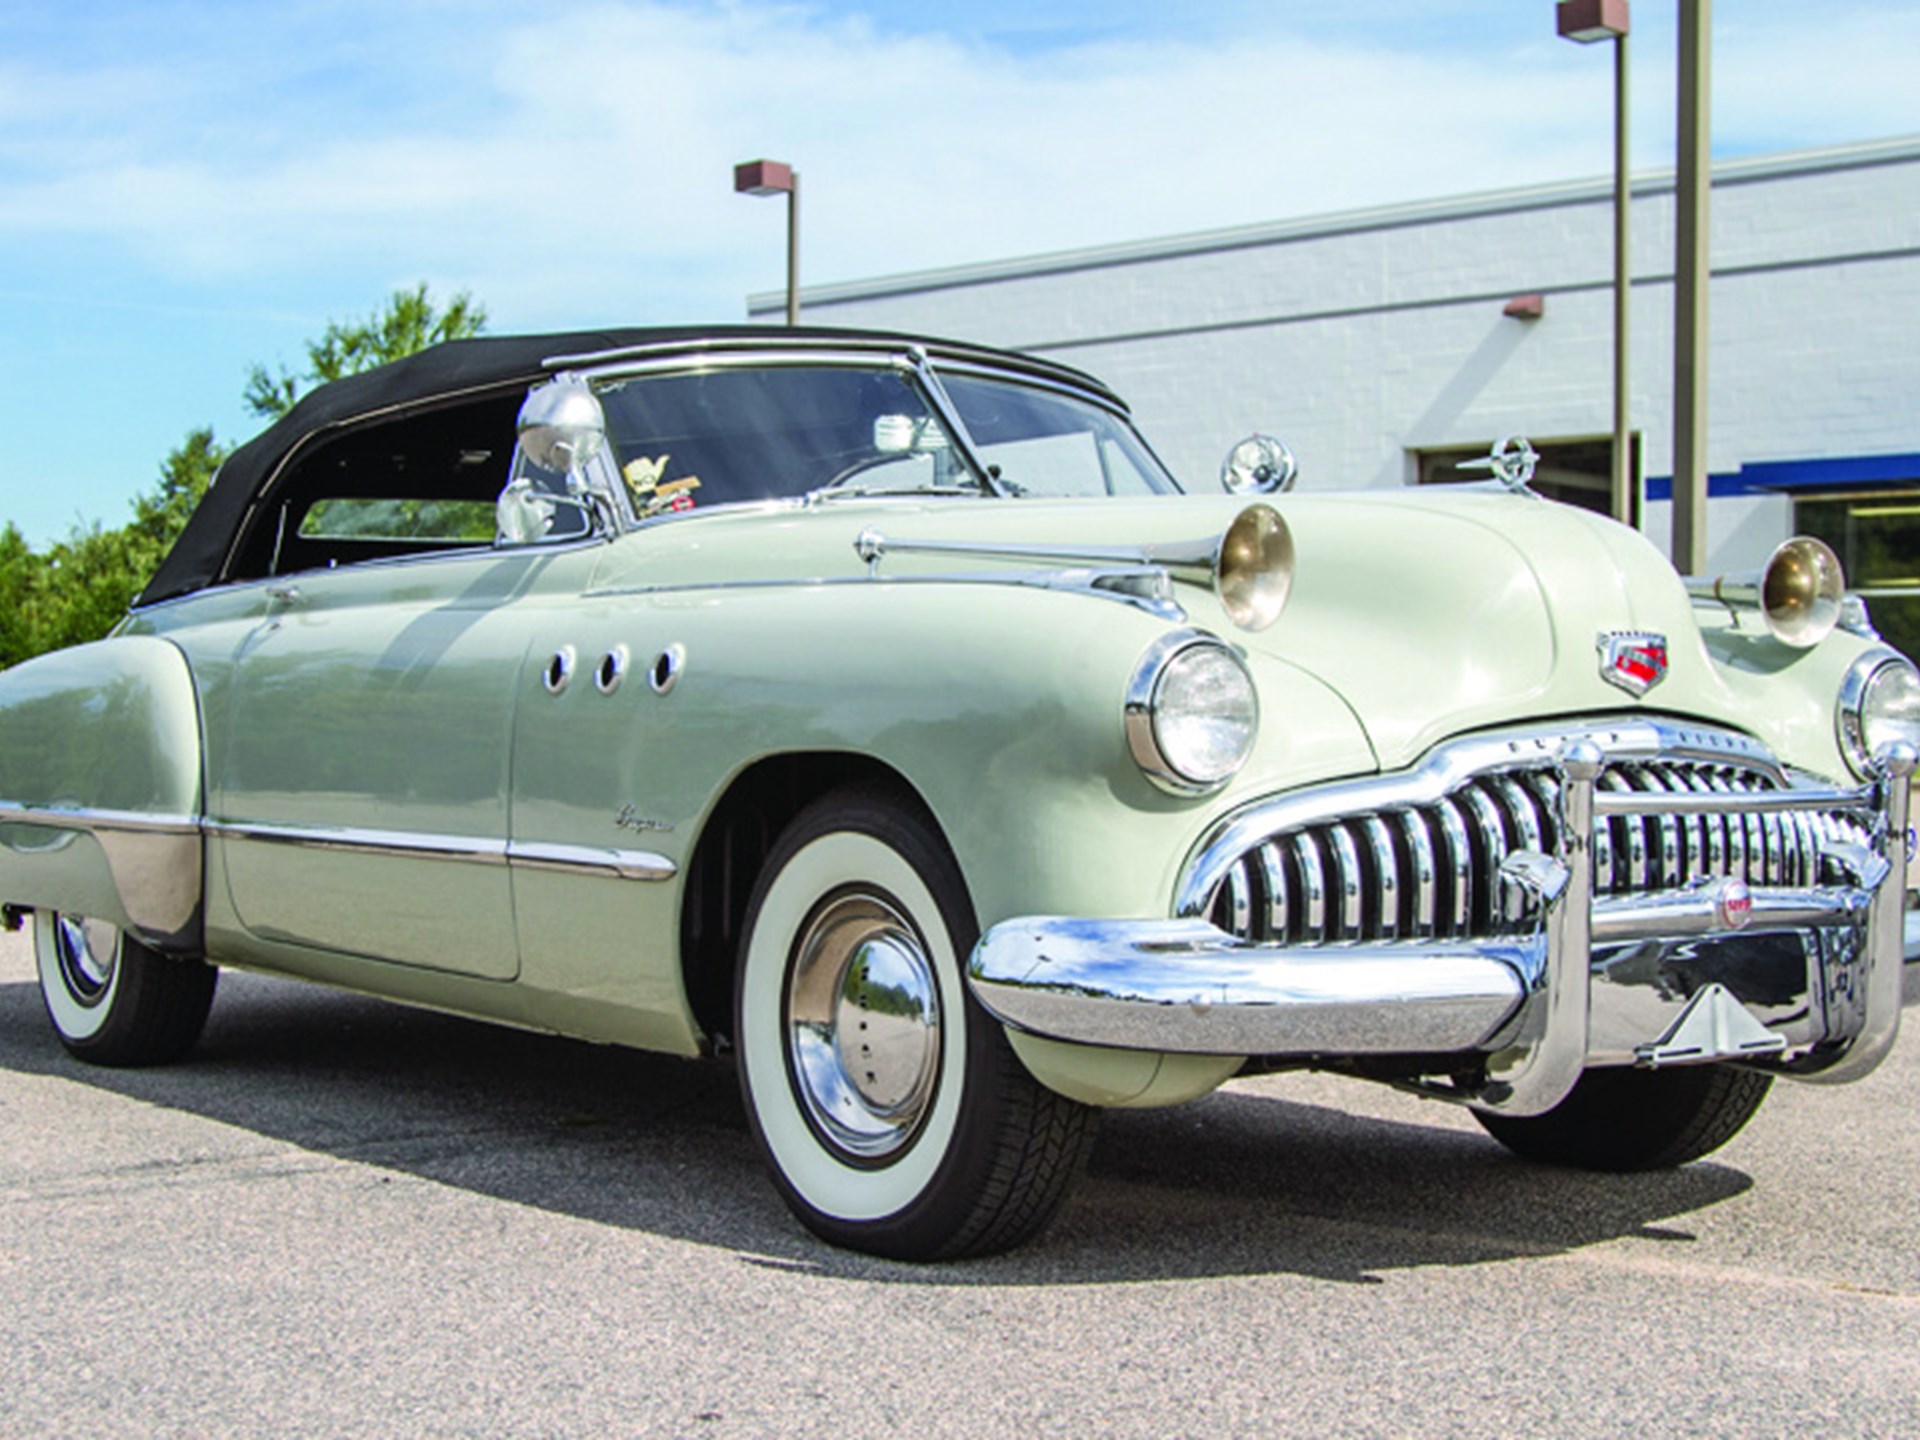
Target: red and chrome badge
{"type": "Point", "coordinates": [1635, 660]}
{"type": "Point", "coordinates": [1733, 904]}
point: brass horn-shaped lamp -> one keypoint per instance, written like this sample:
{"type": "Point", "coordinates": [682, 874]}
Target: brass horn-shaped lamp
{"type": "Point", "coordinates": [1797, 593]}
{"type": "Point", "coordinates": [1249, 564]}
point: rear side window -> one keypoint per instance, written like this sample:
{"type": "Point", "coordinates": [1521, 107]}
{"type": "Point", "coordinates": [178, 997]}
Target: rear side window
{"type": "Point", "coordinates": [357, 517]}
{"type": "Point", "coordinates": [417, 483]}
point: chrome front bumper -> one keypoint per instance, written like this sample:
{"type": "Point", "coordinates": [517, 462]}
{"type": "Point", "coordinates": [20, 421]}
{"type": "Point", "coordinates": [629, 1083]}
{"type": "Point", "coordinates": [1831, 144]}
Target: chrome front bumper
{"type": "Point", "coordinates": [1808, 980]}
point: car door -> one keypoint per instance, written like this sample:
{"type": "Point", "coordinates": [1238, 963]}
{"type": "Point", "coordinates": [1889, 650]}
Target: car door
{"type": "Point", "coordinates": [360, 756]}
{"type": "Point", "coordinates": [362, 800]}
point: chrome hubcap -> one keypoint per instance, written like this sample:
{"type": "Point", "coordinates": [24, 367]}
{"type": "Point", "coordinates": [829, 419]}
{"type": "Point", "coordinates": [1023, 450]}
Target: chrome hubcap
{"type": "Point", "coordinates": [88, 951]}
{"type": "Point", "coordinates": [863, 1026]}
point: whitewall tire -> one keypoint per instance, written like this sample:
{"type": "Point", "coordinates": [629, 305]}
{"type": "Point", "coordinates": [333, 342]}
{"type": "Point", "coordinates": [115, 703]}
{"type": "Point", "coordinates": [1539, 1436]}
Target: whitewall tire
{"type": "Point", "coordinates": [889, 1107]}
{"type": "Point", "coordinates": [114, 1001]}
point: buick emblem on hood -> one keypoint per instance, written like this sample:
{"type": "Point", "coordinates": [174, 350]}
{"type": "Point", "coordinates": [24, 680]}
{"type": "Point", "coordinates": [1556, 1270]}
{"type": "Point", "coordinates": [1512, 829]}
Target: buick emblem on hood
{"type": "Point", "coordinates": [1635, 660]}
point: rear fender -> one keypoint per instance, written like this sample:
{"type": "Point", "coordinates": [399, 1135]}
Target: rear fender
{"type": "Point", "coordinates": [100, 762]}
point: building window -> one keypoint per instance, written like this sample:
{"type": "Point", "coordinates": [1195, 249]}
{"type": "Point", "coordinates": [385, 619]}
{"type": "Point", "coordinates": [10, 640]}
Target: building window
{"type": "Point", "coordinates": [1577, 472]}
{"type": "Point", "coordinates": [1876, 534]}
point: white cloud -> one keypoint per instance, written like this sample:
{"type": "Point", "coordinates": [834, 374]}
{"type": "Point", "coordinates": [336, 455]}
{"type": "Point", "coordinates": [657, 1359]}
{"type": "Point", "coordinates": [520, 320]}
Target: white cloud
{"type": "Point", "coordinates": [190, 185]}
{"type": "Point", "coordinates": [572, 160]}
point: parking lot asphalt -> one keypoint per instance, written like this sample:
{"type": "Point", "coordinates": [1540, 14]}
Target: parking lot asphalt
{"type": "Point", "coordinates": [341, 1217]}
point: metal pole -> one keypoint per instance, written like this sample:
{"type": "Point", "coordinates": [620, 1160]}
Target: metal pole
{"type": "Point", "coordinates": [1690, 273]}
{"type": "Point", "coordinates": [793, 251]}
{"type": "Point", "coordinates": [1626, 479]}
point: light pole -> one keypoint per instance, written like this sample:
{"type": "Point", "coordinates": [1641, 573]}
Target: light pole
{"type": "Point", "coordinates": [770, 177]}
{"type": "Point", "coordinates": [1690, 274]}
{"type": "Point", "coordinates": [1587, 21]}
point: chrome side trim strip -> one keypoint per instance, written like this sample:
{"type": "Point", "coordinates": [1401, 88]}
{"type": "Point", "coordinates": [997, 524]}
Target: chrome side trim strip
{"type": "Point", "coordinates": [78, 817]}
{"type": "Point", "coordinates": [472, 850]}
{"type": "Point", "coordinates": [355, 841]}
{"type": "Point", "coordinates": [589, 860]}
{"type": "Point", "coordinates": [1144, 587]}
{"type": "Point", "coordinates": [154, 861]}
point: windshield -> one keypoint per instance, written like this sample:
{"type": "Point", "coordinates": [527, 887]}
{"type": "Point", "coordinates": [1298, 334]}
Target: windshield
{"type": "Point", "coordinates": [1042, 442]}
{"type": "Point", "coordinates": [692, 440]}
{"type": "Point", "coordinates": [719, 437]}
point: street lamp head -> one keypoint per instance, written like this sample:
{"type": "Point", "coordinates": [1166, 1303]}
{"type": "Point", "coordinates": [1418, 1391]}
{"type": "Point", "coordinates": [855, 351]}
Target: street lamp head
{"type": "Point", "coordinates": [765, 177]}
{"type": "Point", "coordinates": [1591, 20]}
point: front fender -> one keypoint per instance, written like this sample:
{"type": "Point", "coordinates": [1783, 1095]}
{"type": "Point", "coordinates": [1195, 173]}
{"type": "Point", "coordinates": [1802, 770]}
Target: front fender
{"type": "Point", "coordinates": [100, 764]}
{"type": "Point", "coordinates": [1002, 706]}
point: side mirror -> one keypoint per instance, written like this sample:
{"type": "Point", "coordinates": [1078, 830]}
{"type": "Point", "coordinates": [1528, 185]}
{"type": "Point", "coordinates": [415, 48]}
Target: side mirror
{"type": "Point", "coordinates": [1259, 464]}
{"type": "Point", "coordinates": [561, 425]}
{"type": "Point", "coordinates": [562, 431]}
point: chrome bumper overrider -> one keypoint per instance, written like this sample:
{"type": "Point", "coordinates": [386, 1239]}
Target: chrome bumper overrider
{"type": "Point", "coordinates": [1808, 980]}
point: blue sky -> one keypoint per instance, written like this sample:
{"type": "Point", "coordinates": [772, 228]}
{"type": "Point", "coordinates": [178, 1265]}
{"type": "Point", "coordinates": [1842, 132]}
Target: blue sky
{"type": "Point", "coordinates": [187, 187]}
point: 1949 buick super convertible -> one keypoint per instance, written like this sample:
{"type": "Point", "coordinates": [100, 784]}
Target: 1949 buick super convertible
{"type": "Point", "coordinates": [877, 709]}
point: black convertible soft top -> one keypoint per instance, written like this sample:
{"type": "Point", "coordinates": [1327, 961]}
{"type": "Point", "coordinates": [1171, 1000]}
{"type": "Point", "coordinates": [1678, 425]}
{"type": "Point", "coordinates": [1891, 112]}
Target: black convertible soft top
{"type": "Point", "coordinates": [460, 367]}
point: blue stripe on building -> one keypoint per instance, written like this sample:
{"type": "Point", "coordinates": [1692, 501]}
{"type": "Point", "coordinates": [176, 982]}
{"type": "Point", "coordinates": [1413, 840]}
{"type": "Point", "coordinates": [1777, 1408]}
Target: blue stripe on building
{"type": "Point", "coordinates": [1772, 476]}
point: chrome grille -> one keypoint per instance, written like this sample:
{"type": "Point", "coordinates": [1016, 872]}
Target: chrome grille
{"type": "Point", "coordinates": [1431, 870]}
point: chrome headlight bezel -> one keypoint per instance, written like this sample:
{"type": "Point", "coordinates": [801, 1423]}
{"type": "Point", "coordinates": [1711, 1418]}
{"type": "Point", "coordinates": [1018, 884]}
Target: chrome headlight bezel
{"type": "Point", "coordinates": [1855, 723]}
{"type": "Point", "coordinates": [1157, 749]}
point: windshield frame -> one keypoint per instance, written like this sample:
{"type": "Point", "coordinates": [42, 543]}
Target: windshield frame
{"type": "Point", "coordinates": [920, 365]}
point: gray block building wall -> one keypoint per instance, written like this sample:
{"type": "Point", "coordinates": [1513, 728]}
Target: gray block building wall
{"type": "Point", "coordinates": [1367, 338]}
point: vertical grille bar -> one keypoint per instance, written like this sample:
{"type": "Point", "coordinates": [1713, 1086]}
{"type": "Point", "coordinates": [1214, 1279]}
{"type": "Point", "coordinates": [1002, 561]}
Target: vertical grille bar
{"type": "Point", "coordinates": [1279, 892]}
{"type": "Point", "coordinates": [1345, 856]}
{"type": "Point", "coordinates": [1240, 901]}
{"type": "Point", "coordinates": [1425, 884]}
{"type": "Point", "coordinates": [1521, 807]}
{"type": "Point", "coordinates": [1313, 884]}
{"type": "Point", "coordinates": [1715, 826]}
{"type": "Point", "coordinates": [1492, 837]}
{"type": "Point", "coordinates": [1633, 832]}
{"type": "Point", "coordinates": [1806, 849]}
{"type": "Point", "coordinates": [1457, 915]}
{"type": "Point", "coordinates": [1544, 789]}
{"type": "Point", "coordinates": [1387, 886]}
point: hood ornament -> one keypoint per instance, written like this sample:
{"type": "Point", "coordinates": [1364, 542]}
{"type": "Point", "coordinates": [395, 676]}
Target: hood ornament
{"type": "Point", "coordinates": [1635, 660]}
{"type": "Point", "coordinates": [1512, 462]}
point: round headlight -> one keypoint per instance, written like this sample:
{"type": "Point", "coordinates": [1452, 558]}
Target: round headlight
{"type": "Point", "coordinates": [1879, 705]}
{"type": "Point", "coordinates": [1192, 713]}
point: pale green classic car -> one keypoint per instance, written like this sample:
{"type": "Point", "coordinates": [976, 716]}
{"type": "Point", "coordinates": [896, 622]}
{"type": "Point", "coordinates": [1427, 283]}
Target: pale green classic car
{"type": "Point", "coordinates": [878, 711]}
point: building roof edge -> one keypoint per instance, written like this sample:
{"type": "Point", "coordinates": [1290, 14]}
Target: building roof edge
{"type": "Point", "coordinates": [1738, 170]}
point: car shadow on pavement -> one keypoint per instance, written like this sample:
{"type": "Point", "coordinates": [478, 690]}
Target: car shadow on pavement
{"type": "Point", "coordinates": [1236, 1184]}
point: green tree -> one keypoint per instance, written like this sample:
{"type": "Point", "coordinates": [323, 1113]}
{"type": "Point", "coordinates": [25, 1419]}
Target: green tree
{"type": "Point", "coordinates": [19, 569]}
{"type": "Point", "coordinates": [161, 513]}
{"type": "Point", "coordinates": [408, 322]}
{"type": "Point", "coordinates": [78, 589]}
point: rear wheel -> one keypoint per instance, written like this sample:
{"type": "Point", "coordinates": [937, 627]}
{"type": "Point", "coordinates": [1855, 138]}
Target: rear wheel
{"type": "Point", "coordinates": [893, 1113]}
{"type": "Point", "coordinates": [114, 1001]}
{"type": "Point", "coordinates": [1625, 1119]}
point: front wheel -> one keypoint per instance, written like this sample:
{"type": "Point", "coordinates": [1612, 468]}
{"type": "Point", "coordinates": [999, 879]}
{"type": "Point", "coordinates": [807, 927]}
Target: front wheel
{"type": "Point", "coordinates": [114, 1001]}
{"type": "Point", "coordinates": [1624, 1120]}
{"type": "Point", "coordinates": [894, 1115]}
